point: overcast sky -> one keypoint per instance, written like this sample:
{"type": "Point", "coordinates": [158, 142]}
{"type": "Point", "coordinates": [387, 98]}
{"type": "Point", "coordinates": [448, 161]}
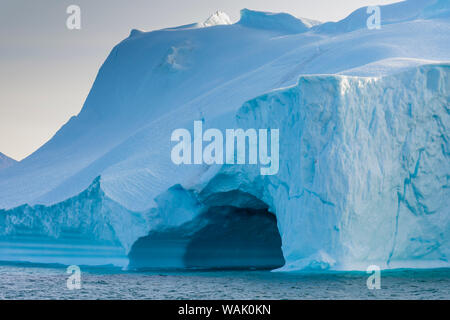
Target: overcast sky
{"type": "Point", "coordinates": [46, 70]}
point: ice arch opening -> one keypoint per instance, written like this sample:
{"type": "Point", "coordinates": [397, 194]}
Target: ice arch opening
{"type": "Point", "coordinates": [236, 238]}
{"type": "Point", "coordinates": [221, 237]}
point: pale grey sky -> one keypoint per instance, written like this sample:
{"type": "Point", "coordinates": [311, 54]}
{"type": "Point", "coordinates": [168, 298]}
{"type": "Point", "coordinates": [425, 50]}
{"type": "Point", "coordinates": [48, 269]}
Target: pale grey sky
{"type": "Point", "coordinates": [47, 70]}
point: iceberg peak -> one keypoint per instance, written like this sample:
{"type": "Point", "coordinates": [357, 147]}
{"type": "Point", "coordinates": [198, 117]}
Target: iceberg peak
{"type": "Point", "coordinates": [217, 18]}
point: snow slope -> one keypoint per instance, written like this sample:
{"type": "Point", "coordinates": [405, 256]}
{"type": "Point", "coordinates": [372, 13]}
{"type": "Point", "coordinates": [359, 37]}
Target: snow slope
{"type": "Point", "coordinates": [390, 14]}
{"type": "Point", "coordinates": [363, 155]}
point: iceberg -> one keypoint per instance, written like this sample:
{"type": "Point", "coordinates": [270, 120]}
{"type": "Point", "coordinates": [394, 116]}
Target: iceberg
{"type": "Point", "coordinates": [363, 177]}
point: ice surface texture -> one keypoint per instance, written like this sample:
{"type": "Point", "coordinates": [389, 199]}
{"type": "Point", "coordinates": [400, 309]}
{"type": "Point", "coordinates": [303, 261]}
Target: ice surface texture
{"type": "Point", "coordinates": [363, 118]}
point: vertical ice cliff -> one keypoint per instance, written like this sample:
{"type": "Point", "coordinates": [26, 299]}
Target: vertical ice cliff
{"type": "Point", "coordinates": [364, 169]}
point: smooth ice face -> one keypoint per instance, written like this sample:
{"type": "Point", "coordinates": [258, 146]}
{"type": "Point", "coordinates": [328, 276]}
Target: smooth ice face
{"type": "Point", "coordinates": [218, 18]}
{"type": "Point", "coordinates": [363, 165]}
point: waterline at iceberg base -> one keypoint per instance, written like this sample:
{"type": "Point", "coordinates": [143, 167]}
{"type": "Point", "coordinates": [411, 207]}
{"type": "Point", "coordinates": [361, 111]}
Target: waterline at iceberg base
{"type": "Point", "coordinates": [363, 180]}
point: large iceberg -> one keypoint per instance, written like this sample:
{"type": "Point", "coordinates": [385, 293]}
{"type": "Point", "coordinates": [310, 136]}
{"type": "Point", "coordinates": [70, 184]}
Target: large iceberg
{"type": "Point", "coordinates": [363, 119]}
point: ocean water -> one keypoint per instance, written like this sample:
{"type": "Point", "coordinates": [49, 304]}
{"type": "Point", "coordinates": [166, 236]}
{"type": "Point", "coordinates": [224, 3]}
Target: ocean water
{"type": "Point", "coordinates": [26, 281]}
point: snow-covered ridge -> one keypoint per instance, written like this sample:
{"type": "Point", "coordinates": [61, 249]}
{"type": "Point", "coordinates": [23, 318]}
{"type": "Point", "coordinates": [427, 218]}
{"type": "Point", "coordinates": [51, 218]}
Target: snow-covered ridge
{"type": "Point", "coordinates": [368, 182]}
{"type": "Point", "coordinates": [281, 22]}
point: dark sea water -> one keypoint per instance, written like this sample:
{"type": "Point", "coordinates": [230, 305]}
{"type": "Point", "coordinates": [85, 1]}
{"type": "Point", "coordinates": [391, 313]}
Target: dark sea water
{"type": "Point", "coordinates": [25, 281]}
